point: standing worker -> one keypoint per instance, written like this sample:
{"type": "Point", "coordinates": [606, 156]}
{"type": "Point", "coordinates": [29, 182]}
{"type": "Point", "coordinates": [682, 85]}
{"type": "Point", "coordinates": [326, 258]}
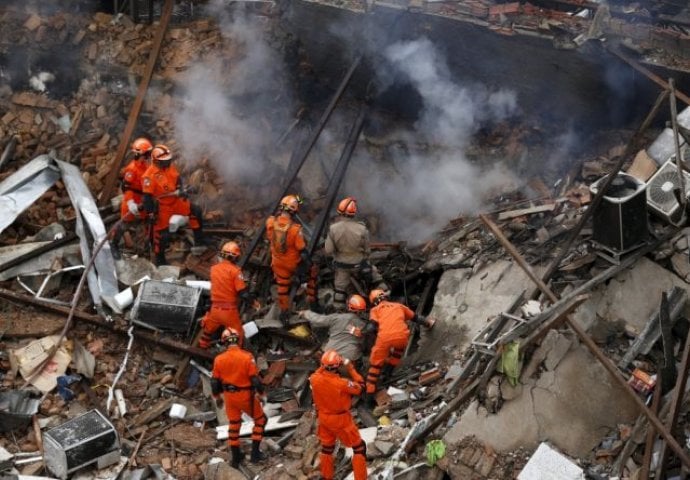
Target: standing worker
{"type": "Point", "coordinates": [287, 250]}
{"type": "Point", "coordinates": [236, 376]}
{"type": "Point", "coordinates": [228, 288]}
{"type": "Point", "coordinates": [389, 319]}
{"type": "Point", "coordinates": [333, 400]}
{"type": "Point", "coordinates": [132, 190]}
{"type": "Point", "coordinates": [348, 243]}
{"type": "Point", "coordinates": [164, 196]}
{"type": "Point", "coordinates": [344, 329]}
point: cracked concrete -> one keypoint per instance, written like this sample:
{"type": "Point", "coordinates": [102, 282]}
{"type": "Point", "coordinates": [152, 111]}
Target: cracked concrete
{"type": "Point", "coordinates": [572, 407]}
{"type": "Point", "coordinates": [464, 302]}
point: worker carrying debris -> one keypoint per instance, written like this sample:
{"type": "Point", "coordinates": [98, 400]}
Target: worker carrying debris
{"type": "Point", "coordinates": [389, 320]}
{"type": "Point", "coordinates": [288, 255]}
{"type": "Point", "coordinates": [344, 329]}
{"type": "Point", "coordinates": [347, 242]}
{"type": "Point", "coordinates": [332, 400]}
{"type": "Point", "coordinates": [132, 190]}
{"type": "Point", "coordinates": [228, 288]}
{"type": "Point", "coordinates": [166, 202]}
{"type": "Point", "coordinates": [236, 376]}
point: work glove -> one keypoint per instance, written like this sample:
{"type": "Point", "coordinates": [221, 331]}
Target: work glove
{"type": "Point", "coordinates": [133, 207]}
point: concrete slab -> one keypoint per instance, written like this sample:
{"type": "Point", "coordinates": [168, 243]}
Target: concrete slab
{"type": "Point", "coordinates": [633, 296]}
{"type": "Point", "coordinates": [571, 407]}
{"type": "Point", "coordinates": [464, 302]}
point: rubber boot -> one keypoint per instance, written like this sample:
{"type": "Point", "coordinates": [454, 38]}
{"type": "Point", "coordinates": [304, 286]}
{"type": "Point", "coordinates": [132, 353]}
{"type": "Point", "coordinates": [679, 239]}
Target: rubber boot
{"type": "Point", "coordinates": [257, 456]}
{"type": "Point", "coordinates": [284, 317]}
{"type": "Point", "coordinates": [160, 259]}
{"type": "Point", "coordinates": [237, 457]}
{"type": "Point", "coordinates": [199, 238]}
{"type": "Point", "coordinates": [386, 372]}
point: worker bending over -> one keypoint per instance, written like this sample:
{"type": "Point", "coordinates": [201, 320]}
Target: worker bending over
{"type": "Point", "coordinates": [344, 329]}
{"type": "Point", "coordinates": [132, 192]}
{"type": "Point", "coordinates": [236, 376]}
{"type": "Point", "coordinates": [333, 400]}
{"type": "Point", "coordinates": [228, 288]}
{"type": "Point", "coordinates": [347, 242]}
{"type": "Point", "coordinates": [389, 319]}
{"type": "Point", "coordinates": [165, 196]}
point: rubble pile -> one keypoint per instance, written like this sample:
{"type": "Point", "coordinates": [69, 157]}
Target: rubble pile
{"type": "Point", "coordinates": [526, 366]}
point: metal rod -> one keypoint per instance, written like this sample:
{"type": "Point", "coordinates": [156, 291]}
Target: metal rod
{"type": "Point", "coordinates": [651, 435]}
{"type": "Point", "coordinates": [587, 340]}
{"type": "Point", "coordinates": [676, 144]}
{"type": "Point", "coordinates": [8, 152]}
{"type": "Point", "coordinates": [575, 232]}
{"type": "Point", "coordinates": [122, 148]}
{"type": "Point", "coordinates": [143, 336]}
{"type": "Point", "coordinates": [304, 152]}
{"type": "Point", "coordinates": [676, 402]}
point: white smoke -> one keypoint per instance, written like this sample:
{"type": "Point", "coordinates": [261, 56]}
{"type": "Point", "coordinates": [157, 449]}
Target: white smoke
{"type": "Point", "coordinates": [235, 104]}
{"type": "Point", "coordinates": [422, 188]}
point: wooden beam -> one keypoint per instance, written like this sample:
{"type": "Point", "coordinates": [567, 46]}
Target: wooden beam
{"type": "Point", "coordinates": [112, 177]}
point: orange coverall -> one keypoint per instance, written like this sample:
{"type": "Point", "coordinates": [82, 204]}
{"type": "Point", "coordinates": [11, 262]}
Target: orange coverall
{"type": "Point", "coordinates": [391, 339]}
{"type": "Point", "coordinates": [235, 368]}
{"type": "Point", "coordinates": [160, 183]}
{"type": "Point", "coordinates": [227, 283]}
{"type": "Point", "coordinates": [131, 187]}
{"type": "Point", "coordinates": [332, 398]}
{"type": "Point", "coordinates": [287, 242]}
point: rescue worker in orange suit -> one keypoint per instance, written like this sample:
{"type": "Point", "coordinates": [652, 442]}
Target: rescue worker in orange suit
{"type": "Point", "coordinates": [288, 258]}
{"type": "Point", "coordinates": [228, 288]}
{"type": "Point", "coordinates": [347, 242]}
{"type": "Point", "coordinates": [332, 400]}
{"type": "Point", "coordinates": [389, 320]}
{"type": "Point", "coordinates": [131, 177]}
{"type": "Point", "coordinates": [235, 376]}
{"type": "Point", "coordinates": [164, 196]}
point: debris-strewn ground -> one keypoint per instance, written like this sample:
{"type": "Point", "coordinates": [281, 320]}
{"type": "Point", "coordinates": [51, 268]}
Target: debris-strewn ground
{"type": "Point", "coordinates": [496, 401]}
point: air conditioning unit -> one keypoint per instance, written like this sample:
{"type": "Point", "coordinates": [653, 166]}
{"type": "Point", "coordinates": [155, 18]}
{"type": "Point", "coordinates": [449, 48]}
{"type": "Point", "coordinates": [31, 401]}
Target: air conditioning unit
{"type": "Point", "coordinates": [660, 191]}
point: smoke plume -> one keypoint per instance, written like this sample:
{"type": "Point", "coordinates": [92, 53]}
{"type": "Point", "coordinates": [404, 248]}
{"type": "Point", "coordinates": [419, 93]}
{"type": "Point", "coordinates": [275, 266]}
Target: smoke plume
{"type": "Point", "coordinates": [428, 178]}
{"type": "Point", "coordinates": [235, 104]}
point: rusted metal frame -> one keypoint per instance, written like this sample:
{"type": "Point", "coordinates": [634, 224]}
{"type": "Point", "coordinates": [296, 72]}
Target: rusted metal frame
{"type": "Point", "coordinates": [589, 343]}
{"type": "Point", "coordinates": [122, 148]}
{"type": "Point", "coordinates": [96, 320]}
{"type": "Point", "coordinates": [651, 435]}
{"type": "Point", "coordinates": [443, 414]}
{"type": "Point", "coordinates": [575, 232]}
{"type": "Point", "coordinates": [648, 73]}
{"type": "Point", "coordinates": [304, 152]}
{"type": "Point", "coordinates": [478, 356]}
{"type": "Point", "coordinates": [676, 402]}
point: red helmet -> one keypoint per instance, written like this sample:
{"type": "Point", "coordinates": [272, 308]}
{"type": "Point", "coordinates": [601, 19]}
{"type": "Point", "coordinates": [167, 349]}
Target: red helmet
{"type": "Point", "coordinates": [230, 250]}
{"type": "Point", "coordinates": [376, 295]}
{"type": "Point", "coordinates": [331, 360]}
{"type": "Point", "coordinates": [290, 203]}
{"type": "Point", "coordinates": [347, 207]}
{"type": "Point", "coordinates": [141, 147]}
{"type": "Point", "coordinates": [161, 155]}
{"type": "Point", "coordinates": [356, 303]}
{"type": "Point", "coordinates": [230, 336]}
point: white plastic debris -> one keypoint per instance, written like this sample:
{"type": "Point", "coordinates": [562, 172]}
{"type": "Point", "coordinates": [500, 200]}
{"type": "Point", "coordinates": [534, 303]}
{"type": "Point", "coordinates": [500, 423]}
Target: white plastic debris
{"type": "Point", "coordinates": [177, 410]}
{"type": "Point", "coordinates": [548, 464]}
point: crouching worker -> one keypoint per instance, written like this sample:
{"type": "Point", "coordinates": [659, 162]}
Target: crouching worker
{"type": "Point", "coordinates": [235, 376]}
{"type": "Point", "coordinates": [389, 320]}
{"type": "Point", "coordinates": [228, 288]}
{"type": "Point", "coordinates": [344, 329]}
{"type": "Point", "coordinates": [332, 400]}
